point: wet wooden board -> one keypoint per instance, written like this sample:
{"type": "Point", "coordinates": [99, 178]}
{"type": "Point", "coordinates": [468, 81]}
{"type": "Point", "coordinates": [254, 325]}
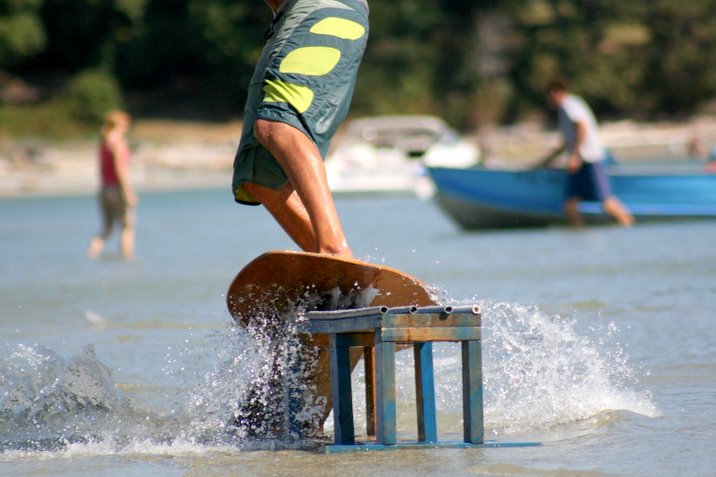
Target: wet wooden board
{"type": "Point", "coordinates": [278, 280]}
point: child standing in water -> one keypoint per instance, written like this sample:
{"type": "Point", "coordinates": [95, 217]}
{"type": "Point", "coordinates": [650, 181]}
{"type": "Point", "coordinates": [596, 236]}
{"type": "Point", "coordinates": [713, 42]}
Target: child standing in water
{"type": "Point", "coordinates": [117, 199]}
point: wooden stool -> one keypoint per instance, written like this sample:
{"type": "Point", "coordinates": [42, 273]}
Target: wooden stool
{"type": "Point", "coordinates": [378, 330]}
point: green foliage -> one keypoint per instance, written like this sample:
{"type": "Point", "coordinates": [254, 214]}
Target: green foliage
{"type": "Point", "coordinates": [681, 56]}
{"type": "Point", "coordinates": [86, 34]}
{"type": "Point", "coordinates": [16, 6]}
{"type": "Point", "coordinates": [50, 120]}
{"type": "Point", "coordinates": [91, 94]}
{"type": "Point", "coordinates": [489, 102]}
{"type": "Point", "coordinates": [131, 9]}
{"type": "Point", "coordinates": [219, 23]}
{"type": "Point", "coordinates": [470, 62]}
{"type": "Point", "coordinates": [416, 61]}
{"type": "Point", "coordinates": [21, 35]}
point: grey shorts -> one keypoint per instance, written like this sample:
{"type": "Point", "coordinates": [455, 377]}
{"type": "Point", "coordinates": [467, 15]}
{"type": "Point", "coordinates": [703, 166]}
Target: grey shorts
{"type": "Point", "coordinates": [115, 210]}
{"type": "Point", "coordinates": [305, 78]}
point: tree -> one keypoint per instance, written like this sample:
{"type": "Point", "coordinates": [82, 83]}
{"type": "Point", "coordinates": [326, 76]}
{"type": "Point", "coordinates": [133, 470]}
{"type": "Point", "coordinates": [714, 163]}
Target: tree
{"type": "Point", "coordinates": [681, 56]}
{"type": "Point", "coordinates": [576, 40]}
{"type": "Point", "coordinates": [417, 59]}
{"type": "Point", "coordinates": [469, 62]}
{"type": "Point", "coordinates": [22, 34]}
{"type": "Point", "coordinates": [84, 34]}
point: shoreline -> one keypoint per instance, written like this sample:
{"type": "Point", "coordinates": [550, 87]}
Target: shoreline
{"type": "Point", "coordinates": [170, 155]}
{"type": "Point", "coordinates": [77, 175]}
{"type": "Point", "coordinates": [166, 155]}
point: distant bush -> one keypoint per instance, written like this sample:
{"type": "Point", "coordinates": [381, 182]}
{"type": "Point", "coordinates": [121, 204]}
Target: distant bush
{"type": "Point", "coordinates": [46, 120]}
{"type": "Point", "coordinates": [91, 94]}
{"type": "Point", "coordinates": [21, 36]}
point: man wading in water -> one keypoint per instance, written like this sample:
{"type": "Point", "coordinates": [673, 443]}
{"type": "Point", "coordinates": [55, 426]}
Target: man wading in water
{"type": "Point", "coordinates": [586, 166]}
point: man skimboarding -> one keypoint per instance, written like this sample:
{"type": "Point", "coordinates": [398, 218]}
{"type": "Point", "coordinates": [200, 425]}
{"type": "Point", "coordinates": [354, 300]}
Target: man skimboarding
{"type": "Point", "coordinates": [299, 94]}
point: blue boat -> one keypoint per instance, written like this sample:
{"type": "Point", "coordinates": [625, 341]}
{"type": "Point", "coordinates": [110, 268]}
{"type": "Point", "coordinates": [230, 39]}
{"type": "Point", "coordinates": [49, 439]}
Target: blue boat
{"type": "Point", "coordinates": [488, 198]}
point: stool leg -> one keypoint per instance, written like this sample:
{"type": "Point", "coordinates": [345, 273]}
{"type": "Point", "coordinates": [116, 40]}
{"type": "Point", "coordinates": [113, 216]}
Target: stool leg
{"type": "Point", "coordinates": [386, 432]}
{"type": "Point", "coordinates": [473, 425]}
{"type": "Point", "coordinates": [369, 363]}
{"type": "Point", "coordinates": [341, 390]}
{"type": "Point", "coordinates": [425, 392]}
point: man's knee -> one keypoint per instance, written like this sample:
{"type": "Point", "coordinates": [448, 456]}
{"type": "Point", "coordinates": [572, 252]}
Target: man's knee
{"type": "Point", "coordinates": [266, 195]}
{"type": "Point", "coordinates": [263, 130]}
{"type": "Point", "coordinates": [256, 190]}
{"type": "Point", "coordinates": [267, 131]}
{"type": "Point", "coordinates": [275, 133]}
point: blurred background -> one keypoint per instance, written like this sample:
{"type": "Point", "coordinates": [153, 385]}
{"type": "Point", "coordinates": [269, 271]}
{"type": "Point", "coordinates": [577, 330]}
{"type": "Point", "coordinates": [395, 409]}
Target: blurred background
{"type": "Point", "coordinates": [480, 66]}
{"type": "Point", "coordinates": [598, 343]}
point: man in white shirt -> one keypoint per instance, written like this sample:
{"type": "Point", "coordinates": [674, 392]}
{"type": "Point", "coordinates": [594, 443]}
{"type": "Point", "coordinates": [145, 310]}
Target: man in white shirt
{"type": "Point", "coordinates": [588, 179]}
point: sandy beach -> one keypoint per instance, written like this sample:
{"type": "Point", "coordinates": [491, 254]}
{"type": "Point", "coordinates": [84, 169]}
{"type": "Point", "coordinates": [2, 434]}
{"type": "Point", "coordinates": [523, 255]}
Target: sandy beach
{"type": "Point", "coordinates": [165, 155]}
{"type": "Point", "coordinates": [175, 155]}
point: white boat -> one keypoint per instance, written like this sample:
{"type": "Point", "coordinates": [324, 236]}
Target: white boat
{"type": "Point", "coordinates": [388, 154]}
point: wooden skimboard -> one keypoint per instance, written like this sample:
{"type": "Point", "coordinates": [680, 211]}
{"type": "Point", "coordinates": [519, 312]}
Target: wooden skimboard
{"type": "Point", "coordinates": [277, 280]}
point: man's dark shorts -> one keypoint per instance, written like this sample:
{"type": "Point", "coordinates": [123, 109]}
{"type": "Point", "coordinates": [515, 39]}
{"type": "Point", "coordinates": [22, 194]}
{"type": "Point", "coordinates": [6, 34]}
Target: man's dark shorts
{"type": "Point", "coordinates": [590, 182]}
{"type": "Point", "coordinates": [305, 78]}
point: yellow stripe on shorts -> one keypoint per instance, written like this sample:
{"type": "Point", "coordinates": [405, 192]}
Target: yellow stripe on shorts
{"type": "Point", "coordinates": [311, 60]}
{"type": "Point", "coordinates": [339, 27]}
{"type": "Point", "coordinates": [300, 97]}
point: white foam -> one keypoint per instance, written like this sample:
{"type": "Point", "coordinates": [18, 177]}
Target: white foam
{"type": "Point", "coordinates": [540, 371]}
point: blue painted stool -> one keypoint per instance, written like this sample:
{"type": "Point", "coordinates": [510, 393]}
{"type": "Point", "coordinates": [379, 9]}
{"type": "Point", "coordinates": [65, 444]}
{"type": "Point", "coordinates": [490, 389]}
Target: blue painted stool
{"type": "Point", "coordinates": [378, 330]}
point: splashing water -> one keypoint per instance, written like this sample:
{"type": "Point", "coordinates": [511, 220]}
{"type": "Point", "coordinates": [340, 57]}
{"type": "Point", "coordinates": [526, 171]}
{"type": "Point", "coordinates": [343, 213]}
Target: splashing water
{"type": "Point", "coordinates": [278, 401]}
{"type": "Point", "coordinates": [47, 402]}
{"type": "Point", "coordinates": [281, 403]}
{"type": "Point", "coordinates": [539, 373]}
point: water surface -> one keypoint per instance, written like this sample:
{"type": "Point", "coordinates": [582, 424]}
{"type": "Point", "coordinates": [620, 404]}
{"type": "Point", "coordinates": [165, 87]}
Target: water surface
{"type": "Point", "coordinates": [599, 343]}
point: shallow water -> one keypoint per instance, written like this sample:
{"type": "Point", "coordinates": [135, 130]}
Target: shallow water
{"type": "Point", "coordinates": [598, 343]}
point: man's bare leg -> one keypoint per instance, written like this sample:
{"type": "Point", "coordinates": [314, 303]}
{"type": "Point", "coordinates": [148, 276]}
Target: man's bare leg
{"type": "Point", "coordinates": [300, 159]}
{"type": "Point", "coordinates": [571, 207]}
{"type": "Point", "coordinates": [288, 210]}
{"type": "Point", "coordinates": [616, 209]}
{"type": "Point", "coordinates": [305, 210]}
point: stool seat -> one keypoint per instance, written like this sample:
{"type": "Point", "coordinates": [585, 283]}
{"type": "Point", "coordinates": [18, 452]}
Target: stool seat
{"type": "Point", "coordinates": [378, 330]}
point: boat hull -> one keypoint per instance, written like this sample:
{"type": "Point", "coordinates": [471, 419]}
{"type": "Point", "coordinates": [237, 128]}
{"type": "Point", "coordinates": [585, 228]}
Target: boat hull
{"type": "Point", "coordinates": [483, 198]}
